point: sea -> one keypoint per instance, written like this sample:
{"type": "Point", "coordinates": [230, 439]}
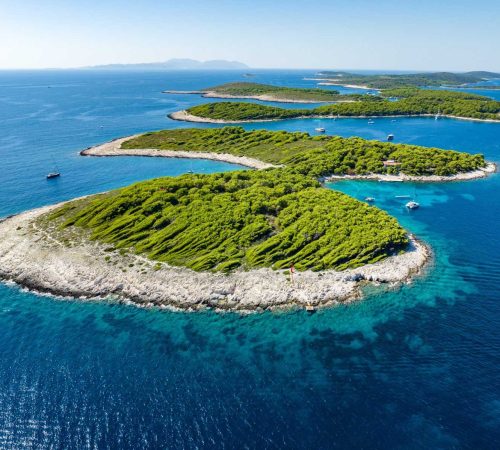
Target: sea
{"type": "Point", "coordinates": [415, 367]}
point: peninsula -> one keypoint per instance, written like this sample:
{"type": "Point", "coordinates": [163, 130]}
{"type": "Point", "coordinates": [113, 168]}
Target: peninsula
{"type": "Point", "coordinates": [270, 93]}
{"type": "Point", "coordinates": [227, 240]}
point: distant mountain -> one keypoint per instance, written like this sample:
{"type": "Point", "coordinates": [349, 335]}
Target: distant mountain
{"type": "Point", "coordinates": [178, 64]}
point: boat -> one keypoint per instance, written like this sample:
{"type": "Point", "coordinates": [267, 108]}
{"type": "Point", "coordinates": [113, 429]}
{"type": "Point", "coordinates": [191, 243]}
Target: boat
{"type": "Point", "coordinates": [412, 205]}
{"type": "Point", "coordinates": [369, 199]}
{"type": "Point", "coordinates": [437, 116]}
{"type": "Point", "coordinates": [371, 122]}
{"type": "Point", "coordinates": [402, 196]}
{"type": "Point", "coordinates": [310, 308]}
{"type": "Point", "coordinates": [320, 130]}
{"type": "Point", "coordinates": [55, 173]}
{"type": "Point", "coordinates": [390, 137]}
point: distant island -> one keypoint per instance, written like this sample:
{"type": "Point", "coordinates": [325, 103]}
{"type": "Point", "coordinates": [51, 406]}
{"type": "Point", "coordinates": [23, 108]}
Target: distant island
{"type": "Point", "coordinates": [228, 240]}
{"type": "Point", "coordinates": [391, 81]}
{"type": "Point", "coordinates": [404, 101]}
{"type": "Point", "coordinates": [177, 64]}
{"type": "Point", "coordinates": [270, 93]}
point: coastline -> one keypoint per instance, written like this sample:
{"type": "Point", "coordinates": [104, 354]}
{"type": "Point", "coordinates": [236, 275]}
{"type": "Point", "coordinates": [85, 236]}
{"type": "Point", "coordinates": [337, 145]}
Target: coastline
{"type": "Point", "coordinates": [183, 115]}
{"type": "Point", "coordinates": [463, 176]}
{"type": "Point", "coordinates": [112, 148]}
{"type": "Point", "coordinates": [36, 259]}
{"type": "Point", "coordinates": [352, 86]}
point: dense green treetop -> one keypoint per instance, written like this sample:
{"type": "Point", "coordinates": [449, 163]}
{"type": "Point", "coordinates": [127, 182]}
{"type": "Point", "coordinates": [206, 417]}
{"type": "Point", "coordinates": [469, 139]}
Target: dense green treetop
{"type": "Point", "coordinates": [316, 156]}
{"type": "Point", "coordinates": [248, 219]}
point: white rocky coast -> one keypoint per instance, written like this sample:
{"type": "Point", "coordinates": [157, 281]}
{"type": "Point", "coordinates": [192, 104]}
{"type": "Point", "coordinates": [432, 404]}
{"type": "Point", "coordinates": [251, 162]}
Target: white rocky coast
{"type": "Point", "coordinates": [463, 176]}
{"type": "Point", "coordinates": [45, 260]}
{"type": "Point", "coordinates": [113, 148]}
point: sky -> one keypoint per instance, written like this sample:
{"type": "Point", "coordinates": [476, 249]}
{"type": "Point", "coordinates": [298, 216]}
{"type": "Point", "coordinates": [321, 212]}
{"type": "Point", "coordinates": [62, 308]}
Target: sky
{"type": "Point", "coordinates": [323, 34]}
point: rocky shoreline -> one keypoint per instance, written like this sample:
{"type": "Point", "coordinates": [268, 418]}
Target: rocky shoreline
{"type": "Point", "coordinates": [112, 148]}
{"type": "Point", "coordinates": [46, 260]}
{"type": "Point", "coordinates": [465, 176]}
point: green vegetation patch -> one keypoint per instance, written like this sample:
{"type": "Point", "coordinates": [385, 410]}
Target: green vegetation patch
{"type": "Point", "coordinates": [247, 219]}
{"type": "Point", "coordinates": [313, 156]}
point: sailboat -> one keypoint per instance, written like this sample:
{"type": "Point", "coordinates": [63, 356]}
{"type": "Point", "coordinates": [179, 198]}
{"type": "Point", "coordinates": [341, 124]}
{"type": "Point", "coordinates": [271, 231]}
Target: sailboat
{"type": "Point", "coordinates": [438, 115]}
{"type": "Point", "coordinates": [53, 174]}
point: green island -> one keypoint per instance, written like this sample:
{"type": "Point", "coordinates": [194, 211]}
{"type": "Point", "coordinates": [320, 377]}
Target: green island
{"type": "Point", "coordinates": [405, 101]}
{"type": "Point", "coordinates": [267, 92]}
{"type": "Point", "coordinates": [315, 156]}
{"type": "Point", "coordinates": [389, 81]}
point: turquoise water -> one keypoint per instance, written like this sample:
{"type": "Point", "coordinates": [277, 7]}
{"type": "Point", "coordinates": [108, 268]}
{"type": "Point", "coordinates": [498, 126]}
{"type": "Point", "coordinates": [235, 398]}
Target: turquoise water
{"type": "Point", "coordinates": [412, 368]}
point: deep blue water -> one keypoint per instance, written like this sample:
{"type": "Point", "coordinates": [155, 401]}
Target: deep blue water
{"type": "Point", "coordinates": [415, 368]}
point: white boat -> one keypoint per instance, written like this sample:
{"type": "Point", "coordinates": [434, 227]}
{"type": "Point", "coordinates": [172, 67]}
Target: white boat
{"type": "Point", "coordinates": [369, 199]}
{"type": "Point", "coordinates": [412, 205]}
{"type": "Point", "coordinates": [320, 130]}
{"type": "Point", "coordinates": [371, 122]}
{"type": "Point", "coordinates": [390, 137]}
{"type": "Point", "coordinates": [54, 174]}
{"type": "Point", "coordinates": [437, 116]}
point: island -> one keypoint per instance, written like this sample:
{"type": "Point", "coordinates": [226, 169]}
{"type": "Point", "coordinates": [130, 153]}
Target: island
{"type": "Point", "coordinates": [398, 102]}
{"type": "Point", "coordinates": [270, 93]}
{"type": "Point", "coordinates": [322, 157]}
{"type": "Point", "coordinates": [246, 240]}
{"type": "Point", "coordinates": [391, 81]}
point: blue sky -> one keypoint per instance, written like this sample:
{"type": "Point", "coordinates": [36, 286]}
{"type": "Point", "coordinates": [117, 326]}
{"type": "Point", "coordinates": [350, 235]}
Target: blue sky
{"type": "Point", "coordinates": [349, 34]}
